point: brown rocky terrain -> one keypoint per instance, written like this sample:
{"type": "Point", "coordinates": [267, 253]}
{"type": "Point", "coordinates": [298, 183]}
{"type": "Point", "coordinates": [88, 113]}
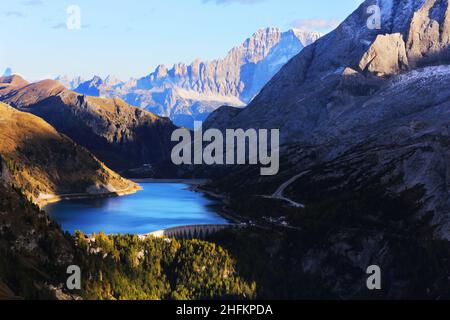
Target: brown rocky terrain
{"type": "Point", "coordinates": [43, 163]}
{"type": "Point", "coordinates": [122, 136]}
{"type": "Point", "coordinates": [18, 92]}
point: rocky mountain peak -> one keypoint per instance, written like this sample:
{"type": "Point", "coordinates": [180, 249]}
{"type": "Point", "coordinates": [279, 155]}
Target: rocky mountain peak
{"type": "Point", "coordinates": [412, 34]}
{"type": "Point", "coordinates": [306, 37]}
{"type": "Point", "coordinates": [12, 81]}
{"type": "Point", "coordinates": [96, 80]}
{"type": "Point", "coordinates": [111, 80]}
{"type": "Point", "coordinates": [161, 71]}
{"type": "Point", "coordinates": [70, 82]}
{"type": "Point", "coordinates": [191, 91]}
{"type": "Point", "coordinates": [255, 48]}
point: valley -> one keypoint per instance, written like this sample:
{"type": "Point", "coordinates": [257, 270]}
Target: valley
{"type": "Point", "coordinates": [361, 127]}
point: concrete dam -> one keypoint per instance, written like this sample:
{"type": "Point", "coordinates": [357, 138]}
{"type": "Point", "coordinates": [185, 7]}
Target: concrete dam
{"type": "Point", "coordinates": [192, 232]}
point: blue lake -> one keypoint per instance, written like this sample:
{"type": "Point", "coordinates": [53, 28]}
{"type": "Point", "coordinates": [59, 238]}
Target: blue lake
{"type": "Point", "coordinates": [157, 206]}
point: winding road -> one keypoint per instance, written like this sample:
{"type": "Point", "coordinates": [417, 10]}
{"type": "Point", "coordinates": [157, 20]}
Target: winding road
{"type": "Point", "coordinates": [278, 194]}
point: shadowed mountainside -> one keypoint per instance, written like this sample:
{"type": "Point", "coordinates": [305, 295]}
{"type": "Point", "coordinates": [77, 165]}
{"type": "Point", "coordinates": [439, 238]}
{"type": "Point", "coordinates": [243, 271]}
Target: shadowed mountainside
{"type": "Point", "coordinates": [359, 87]}
{"type": "Point", "coordinates": [122, 136]}
{"type": "Point", "coordinates": [34, 251]}
{"type": "Point", "coordinates": [43, 163]}
{"type": "Point", "coordinates": [365, 114]}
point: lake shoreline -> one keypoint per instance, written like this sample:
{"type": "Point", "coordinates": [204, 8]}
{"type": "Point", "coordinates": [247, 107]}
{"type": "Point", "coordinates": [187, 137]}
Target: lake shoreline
{"type": "Point", "coordinates": [153, 191]}
{"type": "Point", "coordinates": [198, 185]}
{"type": "Point", "coordinates": [82, 196]}
{"type": "Point", "coordinates": [132, 190]}
{"type": "Point", "coordinates": [222, 207]}
{"type": "Point", "coordinates": [190, 182]}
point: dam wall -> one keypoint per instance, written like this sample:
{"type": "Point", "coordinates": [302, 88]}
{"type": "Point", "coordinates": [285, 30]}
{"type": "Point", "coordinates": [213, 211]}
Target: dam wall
{"type": "Point", "coordinates": [192, 232]}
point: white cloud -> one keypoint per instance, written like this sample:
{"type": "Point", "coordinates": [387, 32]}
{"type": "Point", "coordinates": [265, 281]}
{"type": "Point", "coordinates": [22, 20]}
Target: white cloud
{"type": "Point", "coordinates": [16, 14]}
{"type": "Point", "coordinates": [316, 24]}
{"type": "Point", "coordinates": [32, 2]}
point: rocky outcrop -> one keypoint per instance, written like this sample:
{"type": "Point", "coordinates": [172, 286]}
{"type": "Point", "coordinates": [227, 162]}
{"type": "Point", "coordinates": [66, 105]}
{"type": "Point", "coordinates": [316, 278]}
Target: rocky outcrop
{"type": "Point", "coordinates": [381, 62]}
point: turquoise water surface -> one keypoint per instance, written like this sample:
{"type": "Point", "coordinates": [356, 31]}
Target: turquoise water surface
{"type": "Point", "coordinates": [157, 206]}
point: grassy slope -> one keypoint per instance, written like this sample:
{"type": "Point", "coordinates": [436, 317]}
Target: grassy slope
{"type": "Point", "coordinates": [43, 162]}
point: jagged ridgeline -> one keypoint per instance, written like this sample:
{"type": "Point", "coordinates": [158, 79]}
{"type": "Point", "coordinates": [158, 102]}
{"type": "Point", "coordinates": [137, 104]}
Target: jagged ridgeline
{"type": "Point", "coordinates": [190, 92]}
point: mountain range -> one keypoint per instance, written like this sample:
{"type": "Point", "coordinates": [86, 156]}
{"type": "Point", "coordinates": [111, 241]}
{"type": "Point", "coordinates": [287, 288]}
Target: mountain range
{"type": "Point", "coordinates": [122, 136]}
{"type": "Point", "coordinates": [188, 93]}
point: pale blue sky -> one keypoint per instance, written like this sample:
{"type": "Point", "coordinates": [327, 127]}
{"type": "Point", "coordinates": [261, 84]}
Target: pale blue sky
{"type": "Point", "coordinates": [130, 38]}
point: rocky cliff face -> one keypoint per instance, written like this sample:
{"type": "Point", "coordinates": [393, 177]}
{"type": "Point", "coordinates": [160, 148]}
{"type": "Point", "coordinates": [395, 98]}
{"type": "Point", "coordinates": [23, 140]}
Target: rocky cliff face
{"type": "Point", "coordinates": [190, 92]}
{"type": "Point", "coordinates": [374, 87]}
{"type": "Point", "coordinates": [413, 34]}
{"type": "Point", "coordinates": [365, 113]}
